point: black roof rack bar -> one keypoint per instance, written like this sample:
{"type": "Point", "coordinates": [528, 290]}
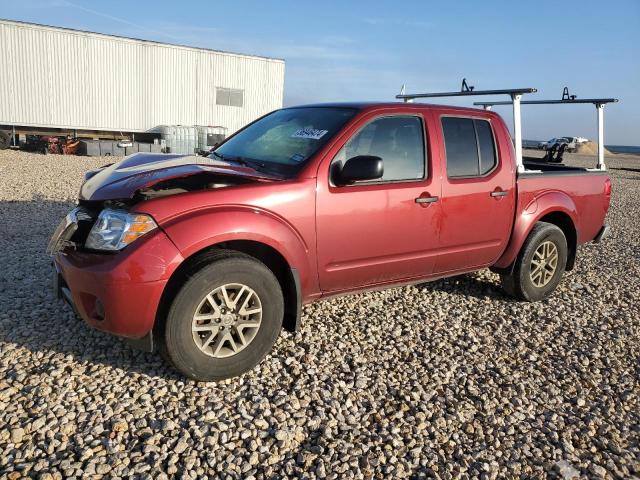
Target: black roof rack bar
{"type": "Point", "coordinates": [467, 93]}
{"type": "Point", "coordinates": [593, 101]}
{"type": "Point", "coordinates": [467, 90]}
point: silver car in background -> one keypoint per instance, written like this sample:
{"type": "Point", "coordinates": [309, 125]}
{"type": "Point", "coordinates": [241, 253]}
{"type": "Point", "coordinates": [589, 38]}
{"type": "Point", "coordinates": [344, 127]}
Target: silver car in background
{"type": "Point", "coordinates": [571, 142]}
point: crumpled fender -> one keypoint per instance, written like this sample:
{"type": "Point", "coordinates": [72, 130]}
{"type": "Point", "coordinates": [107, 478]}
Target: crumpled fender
{"type": "Point", "coordinates": [547, 202]}
{"type": "Point", "coordinates": [197, 230]}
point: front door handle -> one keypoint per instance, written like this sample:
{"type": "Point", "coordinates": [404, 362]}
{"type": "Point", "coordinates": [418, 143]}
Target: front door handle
{"type": "Point", "coordinates": [426, 199]}
{"type": "Point", "coordinates": [499, 193]}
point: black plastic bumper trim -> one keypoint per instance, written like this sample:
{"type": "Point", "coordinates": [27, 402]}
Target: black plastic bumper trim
{"type": "Point", "coordinates": [144, 344]}
{"type": "Point", "coordinates": [602, 234]}
{"type": "Point", "coordinates": [293, 314]}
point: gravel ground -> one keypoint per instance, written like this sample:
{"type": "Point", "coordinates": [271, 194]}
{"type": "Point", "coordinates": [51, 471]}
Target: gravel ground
{"type": "Point", "coordinates": [448, 380]}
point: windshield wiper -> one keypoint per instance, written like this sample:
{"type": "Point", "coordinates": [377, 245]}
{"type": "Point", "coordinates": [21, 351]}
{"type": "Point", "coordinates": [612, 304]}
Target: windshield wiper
{"type": "Point", "coordinates": [240, 161]}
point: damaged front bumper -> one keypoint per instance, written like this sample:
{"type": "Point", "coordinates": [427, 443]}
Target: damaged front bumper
{"type": "Point", "coordinates": [62, 292]}
{"type": "Point", "coordinates": [118, 293]}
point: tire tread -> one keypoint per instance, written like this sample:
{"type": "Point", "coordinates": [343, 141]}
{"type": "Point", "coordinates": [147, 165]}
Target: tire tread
{"type": "Point", "coordinates": [172, 346]}
{"type": "Point", "coordinates": [516, 283]}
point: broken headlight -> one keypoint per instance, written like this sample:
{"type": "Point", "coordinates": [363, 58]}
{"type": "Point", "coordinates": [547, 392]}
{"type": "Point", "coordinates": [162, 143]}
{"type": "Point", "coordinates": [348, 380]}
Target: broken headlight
{"type": "Point", "coordinates": [115, 229]}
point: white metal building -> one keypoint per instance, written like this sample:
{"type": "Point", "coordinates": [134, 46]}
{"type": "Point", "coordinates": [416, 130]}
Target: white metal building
{"type": "Point", "coordinates": [63, 78]}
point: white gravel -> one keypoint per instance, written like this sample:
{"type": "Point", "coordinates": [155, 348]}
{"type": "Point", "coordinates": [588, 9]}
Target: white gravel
{"type": "Point", "coordinates": [448, 380]}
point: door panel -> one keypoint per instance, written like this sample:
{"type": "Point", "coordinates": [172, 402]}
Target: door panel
{"type": "Point", "coordinates": [478, 208]}
{"type": "Point", "coordinates": [377, 232]}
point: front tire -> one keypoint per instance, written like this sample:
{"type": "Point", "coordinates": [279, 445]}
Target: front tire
{"type": "Point", "coordinates": [225, 319]}
{"type": "Point", "coordinates": [539, 266]}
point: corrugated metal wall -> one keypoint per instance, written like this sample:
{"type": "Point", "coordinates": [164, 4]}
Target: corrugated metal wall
{"type": "Point", "coordinates": [63, 78]}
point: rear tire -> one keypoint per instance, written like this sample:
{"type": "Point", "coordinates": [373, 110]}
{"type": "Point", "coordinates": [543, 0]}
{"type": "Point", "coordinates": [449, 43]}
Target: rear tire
{"type": "Point", "coordinates": [228, 338]}
{"type": "Point", "coordinates": [539, 266]}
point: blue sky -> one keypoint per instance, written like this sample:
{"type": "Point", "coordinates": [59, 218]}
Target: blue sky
{"type": "Point", "coordinates": [365, 50]}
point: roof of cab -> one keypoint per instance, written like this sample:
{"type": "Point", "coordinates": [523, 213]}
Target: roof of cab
{"type": "Point", "coordinates": [375, 105]}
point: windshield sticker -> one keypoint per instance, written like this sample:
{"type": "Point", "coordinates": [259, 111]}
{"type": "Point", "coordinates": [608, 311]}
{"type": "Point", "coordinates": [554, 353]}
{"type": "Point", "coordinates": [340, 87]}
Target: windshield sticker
{"type": "Point", "coordinates": [298, 157]}
{"type": "Point", "coordinates": [309, 132]}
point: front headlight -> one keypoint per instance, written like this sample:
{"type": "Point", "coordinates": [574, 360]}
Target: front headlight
{"type": "Point", "coordinates": [115, 229]}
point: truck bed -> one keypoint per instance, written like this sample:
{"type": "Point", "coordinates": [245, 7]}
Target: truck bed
{"type": "Point", "coordinates": [536, 163]}
{"type": "Point", "coordinates": [578, 189]}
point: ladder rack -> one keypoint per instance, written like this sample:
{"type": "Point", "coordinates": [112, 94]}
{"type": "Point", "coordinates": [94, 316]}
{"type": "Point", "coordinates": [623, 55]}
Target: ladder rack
{"type": "Point", "coordinates": [571, 100]}
{"type": "Point", "coordinates": [468, 91]}
{"type": "Point", "coordinates": [516, 96]}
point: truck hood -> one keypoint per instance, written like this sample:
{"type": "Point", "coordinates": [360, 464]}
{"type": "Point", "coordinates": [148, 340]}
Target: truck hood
{"type": "Point", "coordinates": [123, 179]}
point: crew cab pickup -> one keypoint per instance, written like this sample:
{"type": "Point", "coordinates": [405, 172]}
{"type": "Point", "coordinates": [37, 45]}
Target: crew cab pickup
{"type": "Point", "coordinates": [209, 258]}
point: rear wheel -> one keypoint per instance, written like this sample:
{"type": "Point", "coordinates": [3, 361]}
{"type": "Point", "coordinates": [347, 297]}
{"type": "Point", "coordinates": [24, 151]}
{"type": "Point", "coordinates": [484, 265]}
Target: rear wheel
{"type": "Point", "coordinates": [540, 264]}
{"type": "Point", "coordinates": [225, 319]}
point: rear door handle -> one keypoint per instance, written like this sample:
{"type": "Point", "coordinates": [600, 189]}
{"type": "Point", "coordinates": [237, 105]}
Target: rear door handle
{"type": "Point", "coordinates": [426, 199]}
{"type": "Point", "coordinates": [499, 193]}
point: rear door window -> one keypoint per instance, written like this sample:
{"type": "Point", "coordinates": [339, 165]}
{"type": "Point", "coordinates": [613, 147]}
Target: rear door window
{"type": "Point", "coordinates": [461, 147]}
{"type": "Point", "coordinates": [469, 146]}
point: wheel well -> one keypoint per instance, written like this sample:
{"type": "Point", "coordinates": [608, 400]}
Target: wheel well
{"type": "Point", "coordinates": [286, 276]}
{"type": "Point", "coordinates": [564, 223]}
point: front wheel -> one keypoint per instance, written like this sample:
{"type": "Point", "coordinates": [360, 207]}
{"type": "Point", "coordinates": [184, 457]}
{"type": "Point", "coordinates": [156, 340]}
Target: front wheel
{"type": "Point", "coordinates": [540, 264]}
{"type": "Point", "coordinates": [225, 319]}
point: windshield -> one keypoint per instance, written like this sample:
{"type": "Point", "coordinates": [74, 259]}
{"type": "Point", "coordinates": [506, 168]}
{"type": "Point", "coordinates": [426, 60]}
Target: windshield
{"type": "Point", "coordinates": [285, 139]}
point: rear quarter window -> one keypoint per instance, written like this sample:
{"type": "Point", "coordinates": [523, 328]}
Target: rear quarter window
{"type": "Point", "coordinates": [486, 146]}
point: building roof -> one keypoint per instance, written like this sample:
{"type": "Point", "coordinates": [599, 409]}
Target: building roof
{"type": "Point", "coordinates": [152, 42]}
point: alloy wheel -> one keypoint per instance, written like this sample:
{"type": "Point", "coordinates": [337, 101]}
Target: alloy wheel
{"type": "Point", "coordinates": [544, 264]}
{"type": "Point", "coordinates": [227, 320]}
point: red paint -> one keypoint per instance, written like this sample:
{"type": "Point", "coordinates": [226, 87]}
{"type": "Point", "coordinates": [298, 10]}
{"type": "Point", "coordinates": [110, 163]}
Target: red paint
{"type": "Point", "coordinates": [278, 214]}
{"type": "Point", "coordinates": [476, 226]}
{"type": "Point", "coordinates": [580, 197]}
{"type": "Point", "coordinates": [372, 234]}
{"type": "Point", "coordinates": [340, 239]}
{"type": "Point", "coordinates": [129, 284]}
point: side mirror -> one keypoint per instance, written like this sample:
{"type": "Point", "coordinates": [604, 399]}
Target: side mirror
{"type": "Point", "coordinates": [360, 168]}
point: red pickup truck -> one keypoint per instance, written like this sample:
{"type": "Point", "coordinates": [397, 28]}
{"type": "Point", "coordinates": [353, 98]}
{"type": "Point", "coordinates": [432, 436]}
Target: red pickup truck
{"type": "Point", "coordinates": [210, 257]}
